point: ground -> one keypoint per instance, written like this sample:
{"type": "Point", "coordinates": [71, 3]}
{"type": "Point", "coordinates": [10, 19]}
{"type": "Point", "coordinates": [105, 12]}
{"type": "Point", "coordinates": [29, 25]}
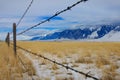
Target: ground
{"type": "Point", "coordinates": [98, 59]}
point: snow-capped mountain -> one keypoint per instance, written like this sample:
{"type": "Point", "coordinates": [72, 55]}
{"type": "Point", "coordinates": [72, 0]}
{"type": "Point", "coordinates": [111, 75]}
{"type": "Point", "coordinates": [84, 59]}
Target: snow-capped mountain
{"type": "Point", "coordinates": [93, 32]}
{"type": "Point", "coordinates": [113, 35]}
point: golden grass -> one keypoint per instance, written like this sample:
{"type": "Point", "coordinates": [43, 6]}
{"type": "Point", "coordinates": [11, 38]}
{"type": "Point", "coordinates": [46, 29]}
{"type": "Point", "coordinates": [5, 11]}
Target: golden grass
{"type": "Point", "coordinates": [100, 53]}
{"type": "Point", "coordinates": [103, 50]}
{"type": "Point", "coordinates": [67, 48]}
{"type": "Point", "coordinates": [73, 47]}
{"type": "Point", "coordinates": [54, 66]}
{"type": "Point", "coordinates": [84, 60]}
{"type": "Point", "coordinates": [28, 65]}
{"type": "Point", "coordinates": [101, 60]}
{"type": "Point", "coordinates": [10, 67]}
{"type": "Point", "coordinates": [108, 74]}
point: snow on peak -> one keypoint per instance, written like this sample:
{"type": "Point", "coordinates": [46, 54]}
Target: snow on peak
{"type": "Point", "coordinates": [111, 36]}
{"type": "Point", "coordinates": [93, 35]}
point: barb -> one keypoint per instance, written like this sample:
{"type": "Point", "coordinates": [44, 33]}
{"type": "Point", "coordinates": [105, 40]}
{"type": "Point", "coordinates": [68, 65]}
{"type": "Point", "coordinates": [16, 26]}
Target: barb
{"type": "Point", "coordinates": [55, 62]}
{"type": "Point", "coordinates": [56, 14]}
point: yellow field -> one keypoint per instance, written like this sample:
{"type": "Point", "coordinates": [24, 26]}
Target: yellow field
{"type": "Point", "coordinates": [101, 54]}
{"type": "Point", "coordinates": [10, 67]}
{"type": "Point", "coordinates": [73, 47]}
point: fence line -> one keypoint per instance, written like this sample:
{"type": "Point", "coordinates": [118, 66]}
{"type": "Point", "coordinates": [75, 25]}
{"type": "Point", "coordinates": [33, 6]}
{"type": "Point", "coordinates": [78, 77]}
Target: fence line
{"type": "Point", "coordinates": [56, 14]}
{"type": "Point", "coordinates": [55, 62]}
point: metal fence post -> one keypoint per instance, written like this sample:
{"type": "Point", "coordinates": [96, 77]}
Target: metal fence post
{"type": "Point", "coordinates": [14, 37]}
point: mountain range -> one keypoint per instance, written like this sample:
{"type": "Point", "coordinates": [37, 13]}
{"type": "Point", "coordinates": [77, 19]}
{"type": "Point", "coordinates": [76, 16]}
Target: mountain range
{"type": "Point", "coordinates": [99, 32]}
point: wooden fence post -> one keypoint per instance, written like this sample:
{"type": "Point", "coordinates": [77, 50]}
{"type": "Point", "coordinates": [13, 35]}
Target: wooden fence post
{"type": "Point", "coordinates": [14, 37]}
{"type": "Point", "coordinates": [7, 40]}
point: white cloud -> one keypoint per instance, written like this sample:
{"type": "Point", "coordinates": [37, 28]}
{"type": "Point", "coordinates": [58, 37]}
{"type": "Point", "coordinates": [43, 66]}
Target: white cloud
{"type": "Point", "coordinates": [23, 37]}
{"type": "Point", "coordinates": [39, 32]}
{"type": "Point", "coordinates": [91, 12]}
{"type": "Point", "coordinates": [3, 36]}
{"type": "Point", "coordinates": [90, 9]}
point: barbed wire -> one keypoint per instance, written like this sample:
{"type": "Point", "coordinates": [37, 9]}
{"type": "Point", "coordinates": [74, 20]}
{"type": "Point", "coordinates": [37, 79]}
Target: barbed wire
{"type": "Point", "coordinates": [24, 13]}
{"type": "Point", "coordinates": [26, 70]}
{"type": "Point", "coordinates": [22, 63]}
{"type": "Point", "coordinates": [56, 14]}
{"type": "Point", "coordinates": [55, 62]}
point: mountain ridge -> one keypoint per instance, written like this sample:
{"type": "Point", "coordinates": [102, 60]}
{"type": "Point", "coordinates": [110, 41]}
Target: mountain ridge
{"type": "Point", "coordinates": [81, 33]}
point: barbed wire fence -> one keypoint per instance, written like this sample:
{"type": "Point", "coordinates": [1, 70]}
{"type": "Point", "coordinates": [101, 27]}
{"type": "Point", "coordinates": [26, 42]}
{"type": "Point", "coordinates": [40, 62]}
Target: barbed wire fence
{"type": "Point", "coordinates": [15, 46]}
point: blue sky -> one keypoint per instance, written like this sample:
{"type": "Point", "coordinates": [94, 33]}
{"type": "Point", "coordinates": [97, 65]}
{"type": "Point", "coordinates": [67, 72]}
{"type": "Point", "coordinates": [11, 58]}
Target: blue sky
{"type": "Point", "coordinates": [92, 12]}
{"type": "Point", "coordinates": [46, 17]}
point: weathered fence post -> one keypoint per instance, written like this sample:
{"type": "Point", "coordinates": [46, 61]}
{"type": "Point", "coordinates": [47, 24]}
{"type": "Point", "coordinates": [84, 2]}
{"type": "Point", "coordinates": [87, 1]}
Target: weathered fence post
{"type": "Point", "coordinates": [14, 37]}
{"type": "Point", "coordinates": [7, 40]}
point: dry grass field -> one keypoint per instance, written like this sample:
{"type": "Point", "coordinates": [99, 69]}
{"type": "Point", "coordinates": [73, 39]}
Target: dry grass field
{"type": "Point", "coordinates": [10, 66]}
{"type": "Point", "coordinates": [100, 59]}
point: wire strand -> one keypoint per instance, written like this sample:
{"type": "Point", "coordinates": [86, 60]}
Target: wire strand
{"type": "Point", "coordinates": [56, 14]}
{"type": "Point", "coordinates": [24, 14]}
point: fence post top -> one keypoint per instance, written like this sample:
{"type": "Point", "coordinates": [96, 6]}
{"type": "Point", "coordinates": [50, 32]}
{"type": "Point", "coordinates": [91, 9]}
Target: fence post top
{"type": "Point", "coordinates": [14, 24]}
